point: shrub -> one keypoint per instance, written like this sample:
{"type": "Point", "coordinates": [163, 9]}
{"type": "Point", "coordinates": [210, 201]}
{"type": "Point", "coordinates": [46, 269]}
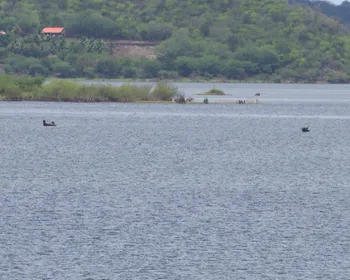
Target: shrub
{"type": "Point", "coordinates": [16, 88]}
{"type": "Point", "coordinates": [59, 90]}
{"type": "Point", "coordinates": [180, 98]}
{"type": "Point", "coordinates": [164, 92]}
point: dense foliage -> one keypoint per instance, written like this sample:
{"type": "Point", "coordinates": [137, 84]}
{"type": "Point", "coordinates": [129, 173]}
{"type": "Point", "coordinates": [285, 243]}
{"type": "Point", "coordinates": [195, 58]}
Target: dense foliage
{"type": "Point", "coordinates": [267, 40]}
{"type": "Point", "coordinates": [340, 12]}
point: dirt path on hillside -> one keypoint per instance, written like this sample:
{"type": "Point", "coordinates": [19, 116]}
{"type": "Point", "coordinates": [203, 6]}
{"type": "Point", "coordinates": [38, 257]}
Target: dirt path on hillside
{"type": "Point", "coordinates": [134, 48]}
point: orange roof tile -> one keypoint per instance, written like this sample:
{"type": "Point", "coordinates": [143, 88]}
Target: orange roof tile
{"type": "Point", "coordinates": [52, 30]}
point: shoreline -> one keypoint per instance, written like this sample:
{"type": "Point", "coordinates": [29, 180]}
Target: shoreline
{"type": "Point", "coordinates": [195, 80]}
{"type": "Point", "coordinates": [59, 90]}
{"type": "Point", "coordinates": [16, 89]}
{"type": "Point", "coordinates": [233, 102]}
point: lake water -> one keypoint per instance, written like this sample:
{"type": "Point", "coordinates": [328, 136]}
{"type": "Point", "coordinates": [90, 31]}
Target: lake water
{"type": "Point", "coordinates": [271, 93]}
{"type": "Point", "coordinates": [170, 191]}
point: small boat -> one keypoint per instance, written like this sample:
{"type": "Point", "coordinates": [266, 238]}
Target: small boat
{"type": "Point", "coordinates": [257, 94]}
{"type": "Point", "coordinates": [305, 129]}
{"type": "Point", "coordinates": [48, 124]}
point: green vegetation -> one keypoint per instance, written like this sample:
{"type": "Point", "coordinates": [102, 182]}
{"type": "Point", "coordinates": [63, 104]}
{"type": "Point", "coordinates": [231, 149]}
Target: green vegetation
{"type": "Point", "coordinates": [265, 40]}
{"type": "Point", "coordinates": [213, 91]}
{"type": "Point", "coordinates": [340, 12]}
{"type": "Point", "coordinates": [34, 89]}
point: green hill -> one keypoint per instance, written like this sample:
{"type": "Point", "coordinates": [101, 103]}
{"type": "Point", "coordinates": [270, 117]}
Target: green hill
{"type": "Point", "coordinates": [339, 12]}
{"type": "Point", "coordinates": [265, 40]}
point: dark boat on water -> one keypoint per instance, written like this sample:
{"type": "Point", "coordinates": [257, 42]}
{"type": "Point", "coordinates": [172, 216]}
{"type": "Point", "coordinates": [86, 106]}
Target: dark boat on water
{"type": "Point", "coordinates": [48, 124]}
{"type": "Point", "coordinates": [305, 129]}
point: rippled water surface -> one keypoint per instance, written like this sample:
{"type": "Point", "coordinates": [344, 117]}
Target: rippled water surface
{"type": "Point", "coordinates": [168, 191]}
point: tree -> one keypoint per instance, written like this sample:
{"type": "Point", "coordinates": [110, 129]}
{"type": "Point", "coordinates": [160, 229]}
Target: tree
{"type": "Point", "coordinates": [91, 24]}
{"type": "Point", "coordinates": [108, 68]}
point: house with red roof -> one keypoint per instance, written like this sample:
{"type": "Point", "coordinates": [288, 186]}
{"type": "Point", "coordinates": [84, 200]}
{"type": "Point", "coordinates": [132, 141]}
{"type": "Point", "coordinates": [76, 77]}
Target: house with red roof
{"type": "Point", "coordinates": [53, 32]}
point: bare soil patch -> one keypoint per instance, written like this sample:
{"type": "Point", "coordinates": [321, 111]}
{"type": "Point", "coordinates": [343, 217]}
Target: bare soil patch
{"type": "Point", "coordinates": [134, 50]}
{"type": "Point", "coordinates": [130, 48]}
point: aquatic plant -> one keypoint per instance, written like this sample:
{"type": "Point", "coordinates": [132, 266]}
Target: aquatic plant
{"type": "Point", "coordinates": [164, 91]}
{"type": "Point", "coordinates": [213, 91]}
{"type": "Point", "coordinates": [15, 88]}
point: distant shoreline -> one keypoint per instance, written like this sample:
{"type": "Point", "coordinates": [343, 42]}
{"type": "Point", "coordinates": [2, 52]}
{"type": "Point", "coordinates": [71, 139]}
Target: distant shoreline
{"type": "Point", "coordinates": [137, 102]}
{"type": "Point", "coordinates": [37, 89]}
{"type": "Point", "coordinates": [50, 100]}
{"type": "Point", "coordinates": [195, 80]}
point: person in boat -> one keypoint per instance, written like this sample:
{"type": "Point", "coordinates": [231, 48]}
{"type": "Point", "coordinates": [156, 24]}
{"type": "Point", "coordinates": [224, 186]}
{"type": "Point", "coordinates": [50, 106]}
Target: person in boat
{"type": "Point", "coordinates": [49, 124]}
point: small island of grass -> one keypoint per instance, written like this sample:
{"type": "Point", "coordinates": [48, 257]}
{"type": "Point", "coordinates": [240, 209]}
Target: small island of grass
{"type": "Point", "coordinates": [14, 88]}
{"type": "Point", "coordinates": [213, 91]}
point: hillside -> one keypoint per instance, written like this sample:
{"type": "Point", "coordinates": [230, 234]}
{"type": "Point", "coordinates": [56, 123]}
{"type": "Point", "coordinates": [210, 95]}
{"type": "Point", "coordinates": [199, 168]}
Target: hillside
{"type": "Point", "coordinates": [268, 40]}
{"type": "Point", "coordinates": [339, 12]}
